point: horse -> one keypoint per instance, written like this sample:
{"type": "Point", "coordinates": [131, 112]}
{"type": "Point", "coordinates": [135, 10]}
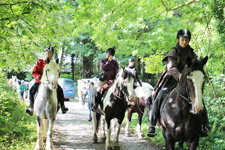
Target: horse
{"type": "Point", "coordinates": [15, 83]}
{"type": "Point", "coordinates": [143, 97]}
{"type": "Point", "coordinates": [181, 118]}
{"type": "Point", "coordinates": [114, 105]}
{"type": "Point", "coordinates": [45, 105]}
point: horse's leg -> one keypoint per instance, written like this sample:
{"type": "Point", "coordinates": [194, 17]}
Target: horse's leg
{"type": "Point", "coordinates": [169, 141]}
{"type": "Point", "coordinates": [49, 142]}
{"type": "Point", "coordinates": [138, 128]}
{"type": "Point", "coordinates": [108, 145]}
{"type": "Point", "coordinates": [103, 136]}
{"type": "Point", "coordinates": [39, 144]}
{"type": "Point", "coordinates": [129, 116]}
{"type": "Point", "coordinates": [116, 137]}
{"type": "Point", "coordinates": [193, 144]}
{"type": "Point", "coordinates": [95, 128]}
{"type": "Point", "coordinates": [181, 145]}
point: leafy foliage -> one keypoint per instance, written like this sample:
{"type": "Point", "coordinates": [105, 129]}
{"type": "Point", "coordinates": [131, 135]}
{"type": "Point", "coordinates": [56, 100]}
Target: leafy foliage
{"type": "Point", "coordinates": [16, 128]}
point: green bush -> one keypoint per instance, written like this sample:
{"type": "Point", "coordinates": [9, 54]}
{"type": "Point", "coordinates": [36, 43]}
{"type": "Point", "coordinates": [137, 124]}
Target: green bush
{"type": "Point", "coordinates": [17, 129]}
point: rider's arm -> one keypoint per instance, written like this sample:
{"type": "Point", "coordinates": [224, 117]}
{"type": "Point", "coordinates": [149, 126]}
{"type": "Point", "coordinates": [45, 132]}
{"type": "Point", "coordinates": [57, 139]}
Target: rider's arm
{"type": "Point", "coordinates": [36, 73]}
{"type": "Point", "coordinates": [172, 67]}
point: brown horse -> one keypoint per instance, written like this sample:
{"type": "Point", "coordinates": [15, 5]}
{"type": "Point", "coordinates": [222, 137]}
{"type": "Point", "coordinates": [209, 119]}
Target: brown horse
{"type": "Point", "coordinates": [143, 97]}
{"type": "Point", "coordinates": [181, 118]}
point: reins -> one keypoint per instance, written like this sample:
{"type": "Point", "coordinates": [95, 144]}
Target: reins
{"type": "Point", "coordinates": [185, 98]}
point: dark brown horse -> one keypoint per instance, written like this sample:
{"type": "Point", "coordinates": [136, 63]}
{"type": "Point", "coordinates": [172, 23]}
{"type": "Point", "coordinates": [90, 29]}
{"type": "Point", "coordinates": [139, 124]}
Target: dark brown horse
{"type": "Point", "coordinates": [115, 105]}
{"type": "Point", "coordinates": [139, 105]}
{"type": "Point", "coordinates": [181, 118]}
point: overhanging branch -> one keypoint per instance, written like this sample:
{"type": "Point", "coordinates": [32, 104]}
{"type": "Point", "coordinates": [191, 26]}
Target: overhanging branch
{"type": "Point", "coordinates": [179, 6]}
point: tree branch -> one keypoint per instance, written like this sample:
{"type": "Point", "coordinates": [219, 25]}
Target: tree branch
{"type": "Point", "coordinates": [179, 6]}
{"type": "Point", "coordinates": [118, 6]}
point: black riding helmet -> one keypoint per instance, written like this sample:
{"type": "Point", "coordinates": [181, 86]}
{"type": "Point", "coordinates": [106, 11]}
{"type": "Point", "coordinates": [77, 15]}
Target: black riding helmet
{"type": "Point", "coordinates": [131, 59]}
{"type": "Point", "coordinates": [111, 51]}
{"type": "Point", "coordinates": [184, 33]}
{"type": "Point", "coordinates": [49, 49]}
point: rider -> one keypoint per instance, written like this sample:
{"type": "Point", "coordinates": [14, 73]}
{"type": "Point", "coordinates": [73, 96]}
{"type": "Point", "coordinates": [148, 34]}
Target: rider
{"type": "Point", "coordinates": [37, 73]}
{"type": "Point", "coordinates": [176, 60]}
{"type": "Point", "coordinates": [110, 68]}
{"type": "Point", "coordinates": [132, 66]}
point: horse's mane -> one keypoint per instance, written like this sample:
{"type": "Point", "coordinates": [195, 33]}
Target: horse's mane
{"type": "Point", "coordinates": [120, 75]}
{"type": "Point", "coordinates": [52, 65]}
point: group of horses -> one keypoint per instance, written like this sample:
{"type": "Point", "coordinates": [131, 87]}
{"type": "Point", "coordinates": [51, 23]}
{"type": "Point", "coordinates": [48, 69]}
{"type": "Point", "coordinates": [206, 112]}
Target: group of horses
{"type": "Point", "coordinates": [180, 117]}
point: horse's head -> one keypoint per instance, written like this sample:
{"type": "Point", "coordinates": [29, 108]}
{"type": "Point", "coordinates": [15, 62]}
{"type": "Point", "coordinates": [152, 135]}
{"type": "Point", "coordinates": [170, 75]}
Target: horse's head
{"type": "Point", "coordinates": [193, 77]}
{"type": "Point", "coordinates": [126, 79]}
{"type": "Point", "coordinates": [51, 74]}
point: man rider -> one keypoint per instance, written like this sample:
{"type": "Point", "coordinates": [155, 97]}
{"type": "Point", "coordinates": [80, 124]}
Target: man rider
{"type": "Point", "coordinates": [176, 60]}
{"type": "Point", "coordinates": [37, 73]}
{"type": "Point", "coordinates": [110, 68]}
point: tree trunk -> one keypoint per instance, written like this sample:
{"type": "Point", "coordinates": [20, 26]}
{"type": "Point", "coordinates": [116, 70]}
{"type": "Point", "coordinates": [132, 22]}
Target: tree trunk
{"type": "Point", "coordinates": [61, 58]}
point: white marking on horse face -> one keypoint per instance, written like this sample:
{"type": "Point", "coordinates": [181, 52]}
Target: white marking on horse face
{"type": "Point", "coordinates": [130, 87]}
{"type": "Point", "coordinates": [197, 78]}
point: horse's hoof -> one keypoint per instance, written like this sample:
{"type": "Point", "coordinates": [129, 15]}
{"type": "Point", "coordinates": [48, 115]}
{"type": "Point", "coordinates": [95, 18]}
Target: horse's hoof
{"type": "Point", "coordinates": [117, 147]}
{"type": "Point", "coordinates": [94, 141]}
{"type": "Point", "coordinates": [108, 148]}
{"type": "Point", "coordinates": [102, 140]}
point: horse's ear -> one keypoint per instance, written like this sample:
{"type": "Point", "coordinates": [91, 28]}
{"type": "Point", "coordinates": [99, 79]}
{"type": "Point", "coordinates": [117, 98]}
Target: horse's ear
{"type": "Point", "coordinates": [204, 60]}
{"type": "Point", "coordinates": [47, 61]}
{"type": "Point", "coordinates": [188, 61]}
{"type": "Point", "coordinates": [57, 60]}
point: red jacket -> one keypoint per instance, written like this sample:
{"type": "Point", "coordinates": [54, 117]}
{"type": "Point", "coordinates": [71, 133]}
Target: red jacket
{"type": "Point", "coordinates": [38, 70]}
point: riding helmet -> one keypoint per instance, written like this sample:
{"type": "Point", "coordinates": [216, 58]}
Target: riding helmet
{"type": "Point", "coordinates": [111, 51]}
{"type": "Point", "coordinates": [131, 59]}
{"type": "Point", "coordinates": [184, 33]}
{"type": "Point", "coordinates": [49, 49]}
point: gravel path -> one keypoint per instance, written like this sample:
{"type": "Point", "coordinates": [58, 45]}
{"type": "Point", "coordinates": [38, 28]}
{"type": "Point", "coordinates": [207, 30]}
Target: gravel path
{"type": "Point", "coordinates": [73, 131]}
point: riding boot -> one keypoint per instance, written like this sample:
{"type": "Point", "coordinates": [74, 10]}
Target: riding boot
{"type": "Point", "coordinates": [206, 129]}
{"type": "Point", "coordinates": [97, 102]}
{"type": "Point", "coordinates": [30, 110]}
{"type": "Point", "coordinates": [155, 112]}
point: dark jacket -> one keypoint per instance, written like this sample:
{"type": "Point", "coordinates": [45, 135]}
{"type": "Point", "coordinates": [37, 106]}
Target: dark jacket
{"type": "Point", "coordinates": [138, 80]}
{"type": "Point", "coordinates": [110, 68]}
{"type": "Point", "coordinates": [176, 60]}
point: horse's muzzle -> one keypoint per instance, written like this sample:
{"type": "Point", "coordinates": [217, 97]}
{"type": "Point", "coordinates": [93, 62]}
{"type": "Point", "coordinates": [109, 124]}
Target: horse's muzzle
{"type": "Point", "coordinates": [54, 85]}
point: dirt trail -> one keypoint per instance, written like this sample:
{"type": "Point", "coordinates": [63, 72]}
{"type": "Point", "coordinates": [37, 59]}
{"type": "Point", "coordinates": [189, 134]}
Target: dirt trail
{"type": "Point", "coordinates": [73, 131]}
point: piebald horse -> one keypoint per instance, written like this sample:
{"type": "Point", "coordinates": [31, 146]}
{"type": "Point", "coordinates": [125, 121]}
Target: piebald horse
{"type": "Point", "coordinates": [181, 118]}
{"type": "Point", "coordinates": [45, 105]}
{"type": "Point", "coordinates": [115, 105]}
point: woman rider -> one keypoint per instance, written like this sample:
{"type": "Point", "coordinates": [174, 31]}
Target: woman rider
{"type": "Point", "coordinates": [37, 73]}
{"type": "Point", "coordinates": [176, 60]}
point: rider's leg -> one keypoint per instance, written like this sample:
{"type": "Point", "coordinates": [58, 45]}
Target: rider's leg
{"type": "Point", "coordinates": [60, 97]}
{"type": "Point", "coordinates": [32, 91]}
{"type": "Point", "coordinates": [98, 95]}
{"type": "Point", "coordinates": [205, 123]}
{"type": "Point", "coordinates": [155, 112]}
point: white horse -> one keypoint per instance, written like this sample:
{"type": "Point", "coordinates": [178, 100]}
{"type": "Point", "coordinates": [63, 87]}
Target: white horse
{"type": "Point", "coordinates": [143, 97]}
{"type": "Point", "coordinates": [45, 105]}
